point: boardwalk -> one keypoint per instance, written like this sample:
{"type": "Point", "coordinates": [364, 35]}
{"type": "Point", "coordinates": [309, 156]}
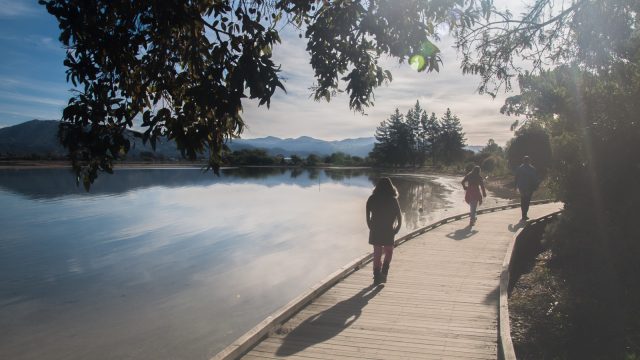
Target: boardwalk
{"type": "Point", "coordinates": [440, 301]}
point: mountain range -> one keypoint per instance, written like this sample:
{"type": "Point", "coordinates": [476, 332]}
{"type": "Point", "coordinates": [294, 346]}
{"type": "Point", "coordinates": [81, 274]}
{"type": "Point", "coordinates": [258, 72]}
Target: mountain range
{"type": "Point", "coordinates": [38, 137]}
{"type": "Point", "coordinates": [305, 145]}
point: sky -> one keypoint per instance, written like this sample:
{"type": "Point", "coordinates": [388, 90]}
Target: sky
{"type": "Point", "coordinates": [33, 86]}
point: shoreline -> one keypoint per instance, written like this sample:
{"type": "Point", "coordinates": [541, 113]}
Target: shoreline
{"type": "Point", "coordinates": [61, 164]}
{"type": "Point", "coordinates": [500, 186]}
{"type": "Point", "coordinates": [57, 164]}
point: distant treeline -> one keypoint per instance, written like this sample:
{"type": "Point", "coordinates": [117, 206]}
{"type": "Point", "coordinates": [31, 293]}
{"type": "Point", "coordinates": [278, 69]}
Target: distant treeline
{"type": "Point", "coordinates": [260, 157]}
{"type": "Point", "coordinates": [417, 138]}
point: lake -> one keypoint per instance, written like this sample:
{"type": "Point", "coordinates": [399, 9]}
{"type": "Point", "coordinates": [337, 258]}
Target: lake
{"type": "Point", "coordinates": [176, 263]}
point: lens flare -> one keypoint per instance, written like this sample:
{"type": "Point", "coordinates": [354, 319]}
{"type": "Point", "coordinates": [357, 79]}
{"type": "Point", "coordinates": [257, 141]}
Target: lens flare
{"type": "Point", "coordinates": [417, 63]}
{"type": "Point", "coordinates": [427, 54]}
{"type": "Point", "coordinates": [428, 49]}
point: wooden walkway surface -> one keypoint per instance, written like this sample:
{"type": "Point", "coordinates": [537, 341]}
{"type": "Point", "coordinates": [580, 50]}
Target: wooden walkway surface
{"type": "Point", "coordinates": [440, 301]}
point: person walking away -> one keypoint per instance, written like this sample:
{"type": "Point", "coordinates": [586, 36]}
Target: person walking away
{"type": "Point", "coordinates": [472, 183]}
{"type": "Point", "coordinates": [526, 182]}
{"type": "Point", "coordinates": [384, 221]}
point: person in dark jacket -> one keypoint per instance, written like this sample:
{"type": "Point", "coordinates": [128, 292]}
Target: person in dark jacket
{"type": "Point", "coordinates": [526, 182]}
{"type": "Point", "coordinates": [384, 221]}
{"type": "Point", "coordinates": [472, 183]}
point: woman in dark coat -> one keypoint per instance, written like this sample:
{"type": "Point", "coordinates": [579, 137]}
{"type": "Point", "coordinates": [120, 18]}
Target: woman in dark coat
{"type": "Point", "coordinates": [384, 221]}
{"type": "Point", "coordinates": [472, 183]}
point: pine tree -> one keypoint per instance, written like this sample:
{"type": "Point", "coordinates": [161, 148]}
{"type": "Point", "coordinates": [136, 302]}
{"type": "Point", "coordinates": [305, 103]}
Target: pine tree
{"type": "Point", "coordinates": [414, 133]}
{"type": "Point", "coordinates": [392, 145]}
{"type": "Point", "coordinates": [382, 146]}
{"type": "Point", "coordinates": [451, 140]}
{"type": "Point", "coordinates": [400, 140]}
{"type": "Point", "coordinates": [431, 130]}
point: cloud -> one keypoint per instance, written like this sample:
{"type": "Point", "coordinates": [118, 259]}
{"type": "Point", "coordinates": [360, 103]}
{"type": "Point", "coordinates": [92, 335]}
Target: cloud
{"type": "Point", "coordinates": [16, 8]}
{"type": "Point", "coordinates": [31, 90]}
{"type": "Point", "coordinates": [35, 41]}
{"type": "Point", "coordinates": [294, 114]}
{"type": "Point", "coordinates": [46, 42]}
{"type": "Point", "coordinates": [24, 99]}
{"type": "Point", "coordinates": [17, 83]}
{"type": "Point", "coordinates": [30, 99]}
{"type": "Point", "coordinates": [22, 113]}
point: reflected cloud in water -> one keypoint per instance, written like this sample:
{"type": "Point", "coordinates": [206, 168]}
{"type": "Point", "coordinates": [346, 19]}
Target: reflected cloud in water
{"type": "Point", "coordinates": [54, 183]}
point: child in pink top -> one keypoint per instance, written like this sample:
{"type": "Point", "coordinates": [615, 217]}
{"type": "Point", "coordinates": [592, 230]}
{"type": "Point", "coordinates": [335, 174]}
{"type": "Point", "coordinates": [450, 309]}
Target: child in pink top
{"type": "Point", "coordinates": [472, 183]}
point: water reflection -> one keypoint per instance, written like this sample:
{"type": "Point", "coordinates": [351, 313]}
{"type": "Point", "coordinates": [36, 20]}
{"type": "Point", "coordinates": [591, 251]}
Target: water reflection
{"type": "Point", "coordinates": [52, 183]}
{"type": "Point", "coordinates": [176, 263]}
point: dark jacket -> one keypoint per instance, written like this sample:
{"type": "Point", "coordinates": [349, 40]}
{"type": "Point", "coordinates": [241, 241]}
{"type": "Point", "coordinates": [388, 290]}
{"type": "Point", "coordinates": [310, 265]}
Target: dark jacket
{"type": "Point", "coordinates": [526, 179]}
{"type": "Point", "coordinates": [382, 212]}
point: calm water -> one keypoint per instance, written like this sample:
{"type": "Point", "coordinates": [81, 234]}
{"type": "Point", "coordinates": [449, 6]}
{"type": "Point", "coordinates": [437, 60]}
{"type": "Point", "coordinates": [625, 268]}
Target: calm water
{"type": "Point", "coordinates": [174, 263]}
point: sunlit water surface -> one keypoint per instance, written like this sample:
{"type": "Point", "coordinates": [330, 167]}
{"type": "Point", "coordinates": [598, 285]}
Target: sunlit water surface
{"type": "Point", "coordinates": [174, 263]}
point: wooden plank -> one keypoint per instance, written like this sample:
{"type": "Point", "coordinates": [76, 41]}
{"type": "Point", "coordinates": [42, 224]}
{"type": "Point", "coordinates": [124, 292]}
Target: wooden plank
{"type": "Point", "coordinates": [385, 342]}
{"type": "Point", "coordinates": [387, 350]}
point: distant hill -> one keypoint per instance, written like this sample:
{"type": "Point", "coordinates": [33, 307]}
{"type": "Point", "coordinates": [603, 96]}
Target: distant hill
{"type": "Point", "coordinates": [475, 148]}
{"type": "Point", "coordinates": [31, 137]}
{"type": "Point", "coordinates": [39, 137]}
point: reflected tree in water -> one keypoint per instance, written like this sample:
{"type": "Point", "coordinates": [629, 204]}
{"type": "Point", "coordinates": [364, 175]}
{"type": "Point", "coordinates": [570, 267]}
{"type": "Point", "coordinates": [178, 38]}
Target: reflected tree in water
{"type": "Point", "coordinates": [53, 183]}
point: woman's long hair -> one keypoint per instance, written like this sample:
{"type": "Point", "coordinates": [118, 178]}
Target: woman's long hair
{"type": "Point", "coordinates": [474, 173]}
{"type": "Point", "coordinates": [385, 187]}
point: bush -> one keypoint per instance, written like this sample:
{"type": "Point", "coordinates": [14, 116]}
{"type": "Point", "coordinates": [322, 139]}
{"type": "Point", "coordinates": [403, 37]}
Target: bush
{"type": "Point", "coordinates": [490, 164]}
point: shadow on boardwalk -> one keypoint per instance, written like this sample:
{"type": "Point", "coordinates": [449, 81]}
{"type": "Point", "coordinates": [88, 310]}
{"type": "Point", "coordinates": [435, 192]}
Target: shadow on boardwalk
{"type": "Point", "coordinates": [515, 227]}
{"type": "Point", "coordinates": [492, 297]}
{"type": "Point", "coordinates": [464, 233]}
{"type": "Point", "coordinates": [322, 326]}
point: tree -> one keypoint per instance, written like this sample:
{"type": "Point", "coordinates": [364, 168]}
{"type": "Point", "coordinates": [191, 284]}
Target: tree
{"type": "Point", "coordinates": [185, 68]}
{"type": "Point", "coordinates": [414, 139]}
{"type": "Point", "coordinates": [501, 46]}
{"type": "Point", "coordinates": [382, 148]}
{"type": "Point", "coordinates": [491, 148]}
{"type": "Point", "coordinates": [396, 140]}
{"type": "Point", "coordinates": [431, 130]}
{"type": "Point", "coordinates": [582, 92]}
{"type": "Point", "coordinates": [491, 157]}
{"type": "Point", "coordinates": [250, 157]}
{"type": "Point", "coordinates": [392, 145]}
{"type": "Point", "coordinates": [312, 160]}
{"type": "Point", "coordinates": [450, 141]}
{"type": "Point", "coordinates": [296, 160]}
{"type": "Point", "coordinates": [592, 122]}
{"type": "Point", "coordinates": [531, 140]}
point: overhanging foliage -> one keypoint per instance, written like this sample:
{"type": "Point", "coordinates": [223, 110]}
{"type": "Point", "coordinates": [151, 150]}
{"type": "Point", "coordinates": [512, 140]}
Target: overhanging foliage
{"type": "Point", "coordinates": [186, 67]}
